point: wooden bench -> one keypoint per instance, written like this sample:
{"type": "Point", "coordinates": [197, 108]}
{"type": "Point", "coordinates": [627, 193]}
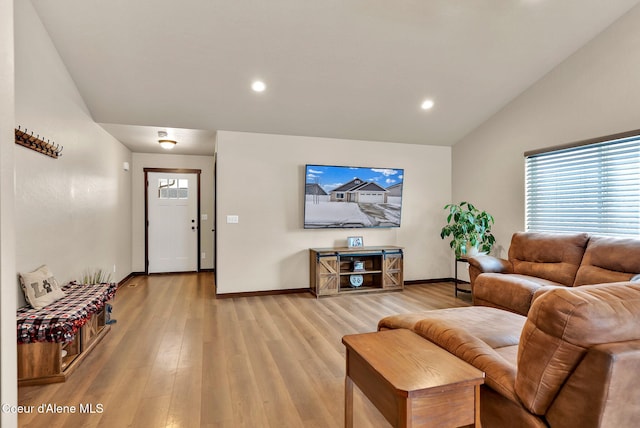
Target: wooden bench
{"type": "Point", "coordinates": [52, 341]}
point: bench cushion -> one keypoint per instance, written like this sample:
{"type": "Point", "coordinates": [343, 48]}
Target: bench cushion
{"type": "Point", "coordinates": [60, 321]}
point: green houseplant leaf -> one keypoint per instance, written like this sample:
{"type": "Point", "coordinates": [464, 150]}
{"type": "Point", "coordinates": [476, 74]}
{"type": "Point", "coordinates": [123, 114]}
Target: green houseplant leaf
{"type": "Point", "coordinates": [468, 225]}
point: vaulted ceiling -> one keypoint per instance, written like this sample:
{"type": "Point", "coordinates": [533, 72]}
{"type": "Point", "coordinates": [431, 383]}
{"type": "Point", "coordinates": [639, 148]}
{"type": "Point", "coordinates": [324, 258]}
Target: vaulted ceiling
{"type": "Point", "coordinates": [356, 69]}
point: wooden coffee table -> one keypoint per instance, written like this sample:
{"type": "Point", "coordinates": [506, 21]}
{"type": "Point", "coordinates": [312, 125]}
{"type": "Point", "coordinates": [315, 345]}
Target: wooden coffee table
{"type": "Point", "coordinates": [411, 381]}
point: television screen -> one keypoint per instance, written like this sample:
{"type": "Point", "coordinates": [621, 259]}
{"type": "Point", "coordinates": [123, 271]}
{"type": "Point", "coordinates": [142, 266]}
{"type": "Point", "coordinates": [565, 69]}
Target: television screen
{"type": "Point", "coordinates": [352, 197]}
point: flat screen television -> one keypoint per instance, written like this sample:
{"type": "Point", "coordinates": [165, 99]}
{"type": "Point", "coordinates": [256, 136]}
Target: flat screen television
{"type": "Point", "coordinates": [352, 197]}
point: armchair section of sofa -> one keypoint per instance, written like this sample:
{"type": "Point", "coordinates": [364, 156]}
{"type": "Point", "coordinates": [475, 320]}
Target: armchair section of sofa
{"type": "Point", "coordinates": [553, 257]}
{"type": "Point", "coordinates": [569, 368]}
{"type": "Point", "coordinates": [541, 261]}
{"type": "Point", "coordinates": [572, 361]}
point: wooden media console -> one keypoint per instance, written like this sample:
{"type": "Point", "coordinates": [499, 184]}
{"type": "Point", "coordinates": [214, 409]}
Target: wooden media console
{"type": "Point", "coordinates": [352, 270]}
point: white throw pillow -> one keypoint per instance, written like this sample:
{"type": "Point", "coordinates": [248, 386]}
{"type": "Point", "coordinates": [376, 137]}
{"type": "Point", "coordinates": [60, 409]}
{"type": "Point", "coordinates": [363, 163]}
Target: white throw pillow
{"type": "Point", "coordinates": [40, 287]}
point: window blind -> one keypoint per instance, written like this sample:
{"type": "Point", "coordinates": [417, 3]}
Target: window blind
{"type": "Point", "coordinates": [592, 188]}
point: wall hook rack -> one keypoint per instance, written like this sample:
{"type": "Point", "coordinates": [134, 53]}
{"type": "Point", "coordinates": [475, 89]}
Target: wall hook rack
{"type": "Point", "coordinates": [37, 144]}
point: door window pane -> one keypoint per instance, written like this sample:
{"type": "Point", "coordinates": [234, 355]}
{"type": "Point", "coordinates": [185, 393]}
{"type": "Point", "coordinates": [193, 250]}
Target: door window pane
{"type": "Point", "coordinates": [167, 188]}
{"type": "Point", "coordinates": [183, 188]}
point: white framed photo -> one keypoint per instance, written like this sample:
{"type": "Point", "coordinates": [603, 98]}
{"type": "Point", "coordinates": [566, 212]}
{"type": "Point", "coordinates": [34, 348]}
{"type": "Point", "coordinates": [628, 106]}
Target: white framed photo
{"type": "Point", "coordinates": [354, 242]}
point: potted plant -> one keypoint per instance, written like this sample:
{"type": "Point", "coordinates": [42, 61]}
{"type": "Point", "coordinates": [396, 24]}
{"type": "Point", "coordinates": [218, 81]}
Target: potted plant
{"type": "Point", "coordinates": [95, 277]}
{"type": "Point", "coordinates": [470, 229]}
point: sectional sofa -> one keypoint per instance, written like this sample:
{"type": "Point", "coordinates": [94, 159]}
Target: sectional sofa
{"type": "Point", "coordinates": [538, 262]}
{"type": "Point", "coordinates": [556, 351]}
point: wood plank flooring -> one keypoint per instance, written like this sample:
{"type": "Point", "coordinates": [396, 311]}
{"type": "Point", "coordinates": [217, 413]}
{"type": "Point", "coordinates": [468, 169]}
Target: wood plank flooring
{"type": "Point", "coordinates": [178, 357]}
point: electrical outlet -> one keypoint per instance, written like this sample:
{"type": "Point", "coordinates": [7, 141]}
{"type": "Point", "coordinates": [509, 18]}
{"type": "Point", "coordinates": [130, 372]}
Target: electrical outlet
{"type": "Point", "coordinates": [203, 256]}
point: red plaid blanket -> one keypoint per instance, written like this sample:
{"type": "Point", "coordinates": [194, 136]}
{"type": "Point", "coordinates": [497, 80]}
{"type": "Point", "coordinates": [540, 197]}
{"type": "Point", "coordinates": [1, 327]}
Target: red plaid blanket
{"type": "Point", "coordinates": [59, 321]}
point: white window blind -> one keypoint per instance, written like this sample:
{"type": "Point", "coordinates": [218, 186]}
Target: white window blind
{"type": "Point", "coordinates": [593, 188]}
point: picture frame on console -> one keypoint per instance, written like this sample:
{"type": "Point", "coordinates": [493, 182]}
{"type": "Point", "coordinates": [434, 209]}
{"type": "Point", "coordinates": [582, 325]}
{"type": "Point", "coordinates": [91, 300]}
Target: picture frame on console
{"type": "Point", "coordinates": [355, 242]}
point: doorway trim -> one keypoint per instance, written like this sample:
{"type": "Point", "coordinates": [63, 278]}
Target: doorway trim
{"type": "Point", "coordinates": [215, 221]}
{"type": "Point", "coordinates": [197, 172]}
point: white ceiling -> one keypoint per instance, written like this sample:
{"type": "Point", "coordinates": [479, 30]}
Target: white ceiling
{"type": "Point", "coordinates": [356, 69]}
{"type": "Point", "coordinates": [144, 139]}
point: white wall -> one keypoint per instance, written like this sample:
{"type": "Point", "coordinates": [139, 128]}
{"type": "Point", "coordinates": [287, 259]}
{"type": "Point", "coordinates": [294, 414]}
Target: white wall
{"type": "Point", "coordinates": [73, 213]}
{"type": "Point", "coordinates": [261, 179]}
{"type": "Point", "coordinates": [145, 160]}
{"type": "Point", "coordinates": [595, 92]}
{"type": "Point", "coordinates": [8, 364]}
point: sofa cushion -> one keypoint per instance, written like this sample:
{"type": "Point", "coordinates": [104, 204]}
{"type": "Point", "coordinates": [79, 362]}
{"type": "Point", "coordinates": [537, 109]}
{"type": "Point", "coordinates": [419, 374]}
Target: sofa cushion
{"type": "Point", "coordinates": [407, 321]}
{"type": "Point", "coordinates": [609, 260]}
{"type": "Point", "coordinates": [484, 337]}
{"type": "Point", "coordinates": [561, 325]}
{"type": "Point", "coordinates": [554, 257]}
{"type": "Point", "coordinates": [512, 292]}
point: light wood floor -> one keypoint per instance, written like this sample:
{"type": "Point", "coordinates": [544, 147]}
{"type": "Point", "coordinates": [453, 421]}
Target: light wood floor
{"type": "Point", "coordinates": [177, 357]}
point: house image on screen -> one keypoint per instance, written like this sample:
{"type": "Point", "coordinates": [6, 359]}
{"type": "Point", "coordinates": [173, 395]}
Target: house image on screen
{"type": "Point", "coordinates": [360, 191]}
{"type": "Point", "coordinates": [395, 190]}
{"type": "Point", "coordinates": [314, 189]}
{"type": "Point", "coordinates": [315, 194]}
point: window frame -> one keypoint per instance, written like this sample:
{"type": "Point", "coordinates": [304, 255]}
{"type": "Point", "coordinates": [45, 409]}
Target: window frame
{"type": "Point", "coordinates": [606, 167]}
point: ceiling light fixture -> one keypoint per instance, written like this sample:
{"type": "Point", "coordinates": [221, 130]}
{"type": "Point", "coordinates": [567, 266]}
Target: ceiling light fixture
{"type": "Point", "coordinates": [167, 144]}
{"type": "Point", "coordinates": [164, 143]}
{"type": "Point", "coordinates": [427, 105]}
{"type": "Point", "coordinates": [258, 86]}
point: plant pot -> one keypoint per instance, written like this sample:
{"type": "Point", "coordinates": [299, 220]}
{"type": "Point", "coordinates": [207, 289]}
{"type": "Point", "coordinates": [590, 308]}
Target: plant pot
{"type": "Point", "coordinates": [472, 251]}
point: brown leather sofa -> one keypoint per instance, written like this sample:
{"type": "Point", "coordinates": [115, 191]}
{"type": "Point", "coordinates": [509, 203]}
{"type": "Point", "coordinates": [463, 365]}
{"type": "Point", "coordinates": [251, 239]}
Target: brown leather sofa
{"type": "Point", "coordinates": [573, 361]}
{"type": "Point", "coordinates": [540, 261]}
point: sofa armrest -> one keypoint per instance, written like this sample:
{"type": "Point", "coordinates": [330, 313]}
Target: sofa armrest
{"type": "Point", "coordinates": [540, 291]}
{"type": "Point", "coordinates": [600, 389]}
{"type": "Point", "coordinates": [482, 264]}
{"type": "Point", "coordinates": [510, 292]}
{"type": "Point", "coordinates": [491, 264]}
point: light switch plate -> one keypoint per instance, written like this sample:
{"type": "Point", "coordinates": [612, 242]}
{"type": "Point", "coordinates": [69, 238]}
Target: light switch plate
{"type": "Point", "coordinates": [232, 219]}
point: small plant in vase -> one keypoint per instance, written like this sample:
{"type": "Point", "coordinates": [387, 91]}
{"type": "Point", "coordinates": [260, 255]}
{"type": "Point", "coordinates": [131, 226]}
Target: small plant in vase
{"type": "Point", "coordinates": [469, 228]}
{"type": "Point", "coordinates": [94, 277]}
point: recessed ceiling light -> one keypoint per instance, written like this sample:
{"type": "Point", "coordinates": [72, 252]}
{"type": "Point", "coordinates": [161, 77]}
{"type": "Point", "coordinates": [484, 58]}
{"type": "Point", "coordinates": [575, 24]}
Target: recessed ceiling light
{"type": "Point", "coordinates": [427, 105]}
{"type": "Point", "coordinates": [258, 86]}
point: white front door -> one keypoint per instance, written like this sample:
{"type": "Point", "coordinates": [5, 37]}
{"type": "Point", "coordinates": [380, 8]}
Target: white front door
{"type": "Point", "coordinates": [173, 227]}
